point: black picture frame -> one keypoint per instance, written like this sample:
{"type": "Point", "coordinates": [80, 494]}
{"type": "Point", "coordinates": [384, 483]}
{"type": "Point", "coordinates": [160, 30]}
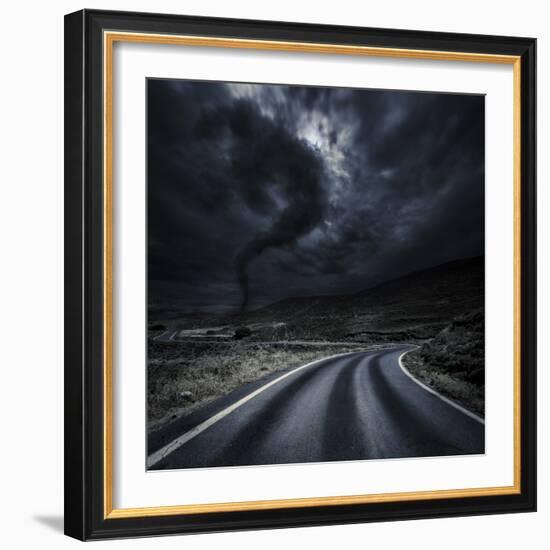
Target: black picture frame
{"type": "Point", "coordinates": [85, 497]}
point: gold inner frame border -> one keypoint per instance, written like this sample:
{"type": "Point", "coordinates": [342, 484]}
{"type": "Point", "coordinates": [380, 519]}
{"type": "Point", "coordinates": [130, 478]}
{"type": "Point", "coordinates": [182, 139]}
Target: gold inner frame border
{"type": "Point", "coordinates": [109, 39]}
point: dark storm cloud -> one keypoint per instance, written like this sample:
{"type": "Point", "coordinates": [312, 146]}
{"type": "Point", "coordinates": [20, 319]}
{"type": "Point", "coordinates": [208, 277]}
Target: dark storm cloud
{"type": "Point", "coordinates": [302, 190]}
{"type": "Point", "coordinates": [268, 165]}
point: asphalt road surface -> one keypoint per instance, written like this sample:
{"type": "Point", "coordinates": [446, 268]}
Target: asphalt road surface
{"type": "Point", "coordinates": [350, 407]}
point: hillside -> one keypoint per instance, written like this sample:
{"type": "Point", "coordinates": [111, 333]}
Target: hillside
{"type": "Point", "coordinates": [416, 306]}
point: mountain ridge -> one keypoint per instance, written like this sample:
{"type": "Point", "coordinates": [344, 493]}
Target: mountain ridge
{"type": "Point", "coordinates": [414, 306]}
{"type": "Point", "coordinates": [460, 263]}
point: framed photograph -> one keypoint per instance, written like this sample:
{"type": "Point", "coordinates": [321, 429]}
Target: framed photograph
{"type": "Point", "coordinates": [300, 274]}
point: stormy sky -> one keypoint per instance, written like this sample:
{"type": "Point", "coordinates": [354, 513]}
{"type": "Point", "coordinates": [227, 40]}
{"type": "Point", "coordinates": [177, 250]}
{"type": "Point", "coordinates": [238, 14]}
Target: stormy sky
{"type": "Point", "coordinates": [261, 192]}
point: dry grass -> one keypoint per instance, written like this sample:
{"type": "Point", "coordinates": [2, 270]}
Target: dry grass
{"type": "Point", "coordinates": [184, 376]}
{"type": "Point", "coordinates": [454, 361]}
{"type": "Point", "coordinates": [469, 395]}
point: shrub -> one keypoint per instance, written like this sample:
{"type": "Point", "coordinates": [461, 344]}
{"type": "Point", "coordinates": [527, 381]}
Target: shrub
{"type": "Point", "coordinates": [242, 332]}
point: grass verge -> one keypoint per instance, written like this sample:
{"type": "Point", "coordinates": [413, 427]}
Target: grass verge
{"type": "Point", "coordinates": [183, 376]}
{"type": "Point", "coordinates": [453, 362]}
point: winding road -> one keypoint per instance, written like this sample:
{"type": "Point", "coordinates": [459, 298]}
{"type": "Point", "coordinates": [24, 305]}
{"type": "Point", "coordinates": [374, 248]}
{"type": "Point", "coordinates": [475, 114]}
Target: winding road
{"type": "Point", "coordinates": [354, 406]}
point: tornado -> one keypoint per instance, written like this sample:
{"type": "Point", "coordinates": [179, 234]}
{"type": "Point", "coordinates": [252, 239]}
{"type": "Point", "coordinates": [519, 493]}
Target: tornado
{"type": "Point", "coordinates": [278, 176]}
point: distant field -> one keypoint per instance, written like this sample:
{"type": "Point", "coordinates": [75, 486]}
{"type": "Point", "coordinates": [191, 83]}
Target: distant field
{"type": "Point", "coordinates": [415, 307]}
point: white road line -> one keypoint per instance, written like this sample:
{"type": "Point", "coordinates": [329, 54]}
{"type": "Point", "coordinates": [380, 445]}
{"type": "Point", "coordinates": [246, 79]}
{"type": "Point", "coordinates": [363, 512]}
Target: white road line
{"type": "Point", "coordinates": [157, 456]}
{"type": "Point", "coordinates": [442, 397]}
{"type": "Point", "coordinates": [168, 338]}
